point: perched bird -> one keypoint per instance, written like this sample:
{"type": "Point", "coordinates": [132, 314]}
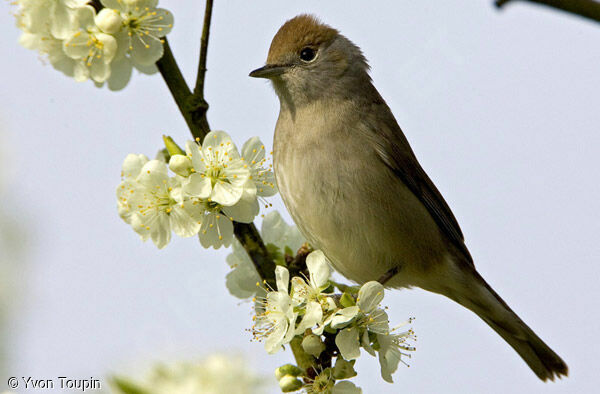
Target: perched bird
{"type": "Point", "coordinates": [354, 187]}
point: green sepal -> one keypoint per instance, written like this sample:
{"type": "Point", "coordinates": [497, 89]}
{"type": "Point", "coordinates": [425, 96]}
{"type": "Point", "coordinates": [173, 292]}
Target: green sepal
{"type": "Point", "coordinates": [288, 369]}
{"type": "Point", "coordinates": [172, 146]}
{"type": "Point", "coordinates": [346, 300]}
{"type": "Point", "coordinates": [344, 369]}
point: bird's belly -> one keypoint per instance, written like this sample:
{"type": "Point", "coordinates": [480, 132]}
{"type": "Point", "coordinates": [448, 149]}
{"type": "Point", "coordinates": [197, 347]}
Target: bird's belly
{"type": "Point", "coordinates": [364, 219]}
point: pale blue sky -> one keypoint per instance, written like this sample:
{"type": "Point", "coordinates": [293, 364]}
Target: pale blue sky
{"type": "Point", "coordinates": [500, 107]}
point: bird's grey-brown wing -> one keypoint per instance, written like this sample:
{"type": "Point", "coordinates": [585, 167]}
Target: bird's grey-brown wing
{"type": "Point", "coordinates": [394, 150]}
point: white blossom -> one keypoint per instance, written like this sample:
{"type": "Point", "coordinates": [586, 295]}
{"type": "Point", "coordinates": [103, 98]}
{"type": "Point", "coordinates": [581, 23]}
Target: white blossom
{"type": "Point", "coordinates": [219, 173]}
{"type": "Point", "coordinates": [142, 29]}
{"type": "Point", "coordinates": [45, 23]}
{"type": "Point", "coordinates": [217, 374]}
{"type": "Point", "coordinates": [53, 18]}
{"type": "Point", "coordinates": [154, 205]}
{"type": "Point", "coordinates": [357, 321]}
{"type": "Point", "coordinates": [132, 165]}
{"type": "Point", "coordinates": [310, 294]}
{"type": "Point", "coordinates": [52, 49]}
{"type": "Point", "coordinates": [103, 47]}
{"type": "Point", "coordinates": [221, 185]}
{"type": "Point", "coordinates": [253, 154]}
{"type": "Point", "coordinates": [93, 49]}
{"type": "Point", "coordinates": [277, 322]}
{"type": "Point", "coordinates": [392, 347]}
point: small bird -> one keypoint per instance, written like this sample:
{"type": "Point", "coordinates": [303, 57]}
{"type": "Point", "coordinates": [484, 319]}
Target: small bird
{"type": "Point", "coordinates": [354, 187]}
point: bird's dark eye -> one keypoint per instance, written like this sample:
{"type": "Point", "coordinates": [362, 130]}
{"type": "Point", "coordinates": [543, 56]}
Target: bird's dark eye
{"type": "Point", "coordinates": [308, 54]}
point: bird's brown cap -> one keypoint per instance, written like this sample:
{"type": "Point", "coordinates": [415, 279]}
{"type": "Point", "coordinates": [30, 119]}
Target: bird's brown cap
{"type": "Point", "coordinates": [297, 33]}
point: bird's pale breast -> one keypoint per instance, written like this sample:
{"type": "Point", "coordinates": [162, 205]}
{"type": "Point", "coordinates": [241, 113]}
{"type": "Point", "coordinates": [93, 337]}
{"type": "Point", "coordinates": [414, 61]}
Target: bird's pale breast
{"type": "Point", "coordinates": [346, 202]}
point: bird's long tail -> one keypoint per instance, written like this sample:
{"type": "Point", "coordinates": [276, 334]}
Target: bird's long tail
{"type": "Point", "coordinates": [480, 298]}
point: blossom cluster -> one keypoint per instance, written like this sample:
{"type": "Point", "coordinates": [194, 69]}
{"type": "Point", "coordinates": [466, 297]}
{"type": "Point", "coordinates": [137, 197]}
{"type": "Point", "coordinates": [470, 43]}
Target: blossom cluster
{"type": "Point", "coordinates": [212, 186]}
{"type": "Point", "coordinates": [103, 46]}
{"type": "Point", "coordinates": [217, 374]}
{"type": "Point", "coordinates": [309, 309]}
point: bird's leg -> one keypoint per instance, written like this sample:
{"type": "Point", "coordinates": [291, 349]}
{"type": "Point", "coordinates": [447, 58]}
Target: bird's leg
{"type": "Point", "coordinates": [388, 275]}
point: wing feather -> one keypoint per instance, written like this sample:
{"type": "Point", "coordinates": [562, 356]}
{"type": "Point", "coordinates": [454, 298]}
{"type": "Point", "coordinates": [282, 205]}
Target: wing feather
{"type": "Point", "coordinates": [393, 148]}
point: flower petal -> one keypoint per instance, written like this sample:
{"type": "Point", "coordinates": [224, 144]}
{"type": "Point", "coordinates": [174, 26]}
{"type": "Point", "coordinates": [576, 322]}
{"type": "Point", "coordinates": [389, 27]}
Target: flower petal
{"type": "Point", "coordinates": [389, 357]}
{"type": "Point", "coordinates": [216, 230]}
{"type": "Point", "coordinates": [318, 268]}
{"type": "Point", "coordinates": [275, 338]}
{"type": "Point", "coordinates": [181, 223]}
{"type": "Point", "coordinates": [226, 194]}
{"type": "Point", "coordinates": [370, 296]}
{"type": "Point", "coordinates": [218, 140]}
{"type": "Point", "coordinates": [346, 341]}
{"type": "Point", "coordinates": [312, 316]}
{"type": "Point", "coordinates": [120, 73]}
{"type": "Point", "coordinates": [366, 343]}
{"type": "Point", "coordinates": [282, 278]}
{"type": "Point", "coordinates": [99, 71]}
{"type": "Point", "coordinates": [163, 22]}
{"type": "Point", "coordinates": [346, 387]}
{"type": "Point", "coordinates": [253, 150]}
{"type": "Point", "coordinates": [160, 230]}
{"type": "Point", "coordinates": [344, 316]}
{"type": "Point", "coordinates": [132, 165]}
{"type": "Point", "coordinates": [245, 210]}
{"type": "Point", "coordinates": [197, 186]}
{"type": "Point", "coordinates": [146, 49]}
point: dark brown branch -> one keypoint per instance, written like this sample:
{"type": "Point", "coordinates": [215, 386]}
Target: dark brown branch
{"type": "Point", "coordinates": [589, 9]}
{"type": "Point", "coordinates": [179, 89]}
{"type": "Point", "coordinates": [199, 89]}
{"type": "Point", "coordinates": [250, 239]}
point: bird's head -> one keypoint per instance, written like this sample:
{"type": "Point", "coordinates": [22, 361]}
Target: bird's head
{"type": "Point", "coordinates": [309, 60]}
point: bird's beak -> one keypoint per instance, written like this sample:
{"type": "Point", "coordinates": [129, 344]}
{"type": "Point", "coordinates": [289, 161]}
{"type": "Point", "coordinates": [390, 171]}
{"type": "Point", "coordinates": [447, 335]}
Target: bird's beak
{"type": "Point", "coordinates": [269, 71]}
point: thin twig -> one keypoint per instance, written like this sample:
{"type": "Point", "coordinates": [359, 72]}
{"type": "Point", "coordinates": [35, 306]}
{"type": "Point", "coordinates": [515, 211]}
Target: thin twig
{"type": "Point", "coordinates": [199, 89]}
{"type": "Point", "coordinates": [388, 275]}
{"type": "Point", "coordinates": [589, 9]}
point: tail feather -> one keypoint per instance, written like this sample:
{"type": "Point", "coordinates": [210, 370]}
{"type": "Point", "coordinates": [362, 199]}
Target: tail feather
{"type": "Point", "coordinates": [488, 305]}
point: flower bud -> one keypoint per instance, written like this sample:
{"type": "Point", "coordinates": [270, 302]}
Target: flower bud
{"type": "Point", "coordinates": [289, 383]}
{"type": "Point", "coordinates": [313, 345]}
{"type": "Point", "coordinates": [287, 369]}
{"type": "Point", "coordinates": [181, 165]}
{"type": "Point", "coordinates": [109, 20]}
{"type": "Point", "coordinates": [344, 369]}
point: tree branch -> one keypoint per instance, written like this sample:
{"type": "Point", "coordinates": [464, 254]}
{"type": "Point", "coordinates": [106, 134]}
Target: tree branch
{"type": "Point", "coordinates": [589, 9]}
{"type": "Point", "coordinates": [178, 87]}
{"type": "Point", "coordinates": [193, 108]}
